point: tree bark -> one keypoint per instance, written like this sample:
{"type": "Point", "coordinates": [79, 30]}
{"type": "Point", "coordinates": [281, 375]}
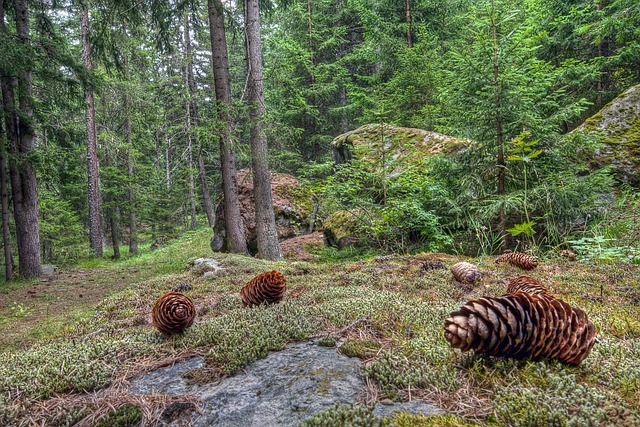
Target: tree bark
{"type": "Point", "coordinates": [133, 229]}
{"type": "Point", "coordinates": [24, 183]}
{"type": "Point", "coordinates": [206, 194]}
{"type": "Point", "coordinates": [408, 16]}
{"type": "Point", "coordinates": [268, 246]}
{"type": "Point", "coordinates": [8, 137]}
{"type": "Point", "coordinates": [236, 239]}
{"type": "Point", "coordinates": [93, 188]}
{"type": "Point", "coordinates": [188, 70]}
{"type": "Point", "coordinates": [500, 163]}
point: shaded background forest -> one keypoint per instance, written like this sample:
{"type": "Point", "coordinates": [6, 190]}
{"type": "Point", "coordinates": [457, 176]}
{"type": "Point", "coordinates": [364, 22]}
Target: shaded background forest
{"type": "Point", "coordinates": [513, 76]}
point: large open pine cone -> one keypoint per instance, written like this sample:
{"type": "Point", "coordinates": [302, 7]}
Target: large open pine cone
{"type": "Point", "coordinates": [518, 259]}
{"type": "Point", "coordinates": [466, 273]}
{"type": "Point", "coordinates": [527, 284]}
{"type": "Point", "coordinates": [522, 325]}
{"type": "Point", "coordinates": [173, 313]}
{"type": "Point", "coordinates": [266, 287]}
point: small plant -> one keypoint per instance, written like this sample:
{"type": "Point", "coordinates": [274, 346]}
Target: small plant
{"type": "Point", "coordinates": [521, 151]}
{"type": "Point", "coordinates": [19, 310]}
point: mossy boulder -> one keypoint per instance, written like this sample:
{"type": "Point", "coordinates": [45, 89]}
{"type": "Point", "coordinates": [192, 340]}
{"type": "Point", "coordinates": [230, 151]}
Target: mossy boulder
{"type": "Point", "coordinates": [293, 206]}
{"type": "Point", "coordinates": [617, 128]}
{"type": "Point", "coordinates": [341, 229]}
{"type": "Point", "coordinates": [400, 144]}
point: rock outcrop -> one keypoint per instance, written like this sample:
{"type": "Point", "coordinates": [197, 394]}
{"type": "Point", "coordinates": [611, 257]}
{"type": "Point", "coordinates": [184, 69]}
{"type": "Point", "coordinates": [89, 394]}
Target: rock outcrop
{"type": "Point", "coordinates": [617, 128]}
{"type": "Point", "coordinates": [293, 206]}
{"type": "Point", "coordinates": [281, 390]}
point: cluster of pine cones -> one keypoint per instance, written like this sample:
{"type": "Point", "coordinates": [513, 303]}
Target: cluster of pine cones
{"type": "Point", "coordinates": [528, 321]}
{"type": "Point", "coordinates": [174, 312]}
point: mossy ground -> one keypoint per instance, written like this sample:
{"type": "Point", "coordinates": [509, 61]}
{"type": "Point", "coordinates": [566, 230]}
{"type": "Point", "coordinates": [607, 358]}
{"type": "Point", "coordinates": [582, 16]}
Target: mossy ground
{"type": "Point", "coordinates": [394, 307]}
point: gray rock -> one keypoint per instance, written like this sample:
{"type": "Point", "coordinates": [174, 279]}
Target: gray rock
{"type": "Point", "coordinates": [280, 390]}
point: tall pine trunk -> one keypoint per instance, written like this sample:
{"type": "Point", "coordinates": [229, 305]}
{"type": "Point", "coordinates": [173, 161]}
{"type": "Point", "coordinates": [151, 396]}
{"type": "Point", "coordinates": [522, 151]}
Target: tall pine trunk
{"type": "Point", "coordinates": [236, 240]}
{"type": "Point", "coordinates": [133, 229]}
{"type": "Point", "coordinates": [8, 138]}
{"type": "Point", "coordinates": [268, 246]}
{"type": "Point", "coordinates": [500, 163]}
{"type": "Point", "coordinates": [24, 183]}
{"type": "Point", "coordinates": [189, 122]}
{"type": "Point", "coordinates": [93, 188]}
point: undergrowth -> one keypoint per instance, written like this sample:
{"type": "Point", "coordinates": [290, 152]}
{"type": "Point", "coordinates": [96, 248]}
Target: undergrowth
{"type": "Point", "coordinates": [398, 311]}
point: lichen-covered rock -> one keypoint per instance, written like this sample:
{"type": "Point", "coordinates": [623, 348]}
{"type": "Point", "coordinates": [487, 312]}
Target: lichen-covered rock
{"type": "Point", "coordinates": [341, 229]}
{"type": "Point", "coordinates": [293, 207]}
{"type": "Point", "coordinates": [365, 143]}
{"type": "Point", "coordinates": [617, 127]}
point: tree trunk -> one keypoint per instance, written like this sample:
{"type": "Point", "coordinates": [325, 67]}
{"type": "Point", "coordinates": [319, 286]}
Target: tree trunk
{"type": "Point", "coordinates": [8, 137]}
{"type": "Point", "coordinates": [23, 174]}
{"type": "Point", "coordinates": [268, 246]}
{"type": "Point", "coordinates": [408, 15]}
{"type": "Point", "coordinates": [206, 194]}
{"type": "Point", "coordinates": [500, 163]}
{"type": "Point", "coordinates": [236, 239]}
{"type": "Point", "coordinates": [93, 188]}
{"type": "Point", "coordinates": [115, 237]}
{"type": "Point", "coordinates": [133, 229]}
{"type": "Point", "coordinates": [189, 110]}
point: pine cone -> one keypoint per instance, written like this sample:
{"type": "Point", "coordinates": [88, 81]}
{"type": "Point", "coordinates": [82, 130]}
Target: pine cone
{"type": "Point", "coordinates": [568, 253]}
{"type": "Point", "coordinates": [173, 313]}
{"type": "Point", "coordinates": [466, 273]}
{"type": "Point", "coordinates": [266, 287]}
{"type": "Point", "coordinates": [529, 285]}
{"type": "Point", "coordinates": [432, 265]}
{"type": "Point", "coordinates": [522, 325]}
{"type": "Point", "coordinates": [518, 259]}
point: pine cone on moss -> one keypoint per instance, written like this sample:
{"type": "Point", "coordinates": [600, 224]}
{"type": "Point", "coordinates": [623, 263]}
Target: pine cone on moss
{"type": "Point", "coordinates": [466, 273]}
{"type": "Point", "coordinates": [266, 287]}
{"type": "Point", "coordinates": [432, 265]}
{"type": "Point", "coordinates": [527, 284]}
{"type": "Point", "coordinates": [173, 313]}
{"type": "Point", "coordinates": [518, 259]}
{"type": "Point", "coordinates": [522, 325]}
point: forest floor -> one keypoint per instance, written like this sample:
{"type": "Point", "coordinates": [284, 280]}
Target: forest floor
{"type": "Point", "coordinates": [70, 342]}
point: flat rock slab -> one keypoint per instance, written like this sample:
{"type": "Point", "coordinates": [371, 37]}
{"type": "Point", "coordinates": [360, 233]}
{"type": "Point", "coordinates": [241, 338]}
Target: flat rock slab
{"type": "Point", "coordinates": [280, 390]}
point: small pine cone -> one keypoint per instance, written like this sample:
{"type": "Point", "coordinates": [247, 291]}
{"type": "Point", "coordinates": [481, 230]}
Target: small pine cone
{"type": "Point", "coordinates": [527, 284]}
{"type": "Point", "coordinates": [182, 287]}
{"type": "Point", "coordinates": [432, 265]}
{"type": "Point", "coordinates": [173, 313]}
{"type": "Point", "coordinates": [522, 325]}
{"type": "Point", "coordinates": [568, 253]}
{"type": "Point", "coordinates": [266, 287]}
{"type": "Point", "coordinates": [466, 273]}
{"type": "Point", "coordinates": [518, 259]}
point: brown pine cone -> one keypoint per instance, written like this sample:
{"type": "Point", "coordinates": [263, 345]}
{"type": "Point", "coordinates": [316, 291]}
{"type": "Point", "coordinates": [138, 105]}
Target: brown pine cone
{"type": "Point", "coordinates": [432, 265]}
{"type": "Point", "coordinates": [267, 287]}
{"type": "Point", "coordinates": [518, 259]}
{"type": "Point", "coordinates": [569, 254]}
{"type": "Point", "coordinates": [173, 313]}
{"type": "Point", "coordinates": [466, 273]}
{"type": "Point", "coordinates": [527, 284]}
{"type": "Point", "coordinates": [522, 325]}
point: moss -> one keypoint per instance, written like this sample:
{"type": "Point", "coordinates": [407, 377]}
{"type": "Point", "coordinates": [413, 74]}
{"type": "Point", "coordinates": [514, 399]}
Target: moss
{"type": "Point", "coordinates": [124, 416]}
{"type": "Point", "coordinates": [343, 415]}
{"type": "Point", "coordinates": [404, 419]}
{"type": "Point", "coordinates": [363, 349]}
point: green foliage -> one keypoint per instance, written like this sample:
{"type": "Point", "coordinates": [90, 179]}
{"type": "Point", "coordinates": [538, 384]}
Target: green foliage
{"type": "Point", "coordinates": [61, 228]}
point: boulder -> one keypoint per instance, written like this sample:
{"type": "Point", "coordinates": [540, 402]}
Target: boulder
{"type": "Point", "coordinates": [617, 128]}
{"type": "Point", "coordinates": [303, 248]}
{"type": "Point", "coordinates": [293, 206]}
{"type": "Point", "coordinates": [341, 229]}
{"type": "Point", "coordinates": [401, 145]}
